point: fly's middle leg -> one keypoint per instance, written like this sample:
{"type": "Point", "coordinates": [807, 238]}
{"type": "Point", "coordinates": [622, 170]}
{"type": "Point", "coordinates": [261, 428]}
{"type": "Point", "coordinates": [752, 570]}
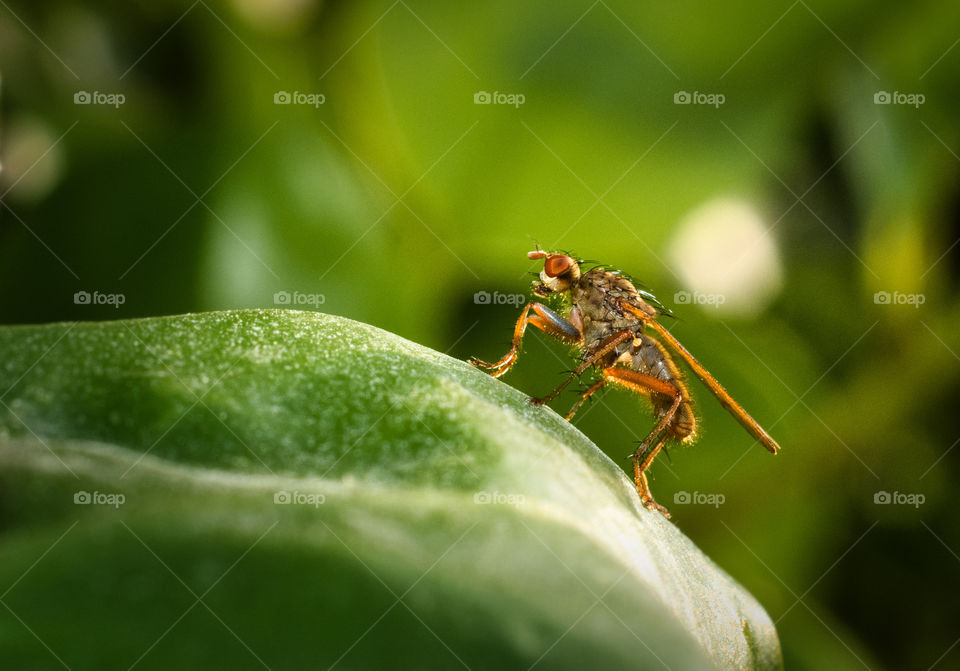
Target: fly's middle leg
{"type": "Point", "coordinates": [605, 348]}
{"type": "Point", "coordinates": [594, 388]}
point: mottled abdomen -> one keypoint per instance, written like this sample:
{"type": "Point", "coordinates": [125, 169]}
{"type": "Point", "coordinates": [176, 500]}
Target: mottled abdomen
{"type": "Point", "coordinates": [649, 357]}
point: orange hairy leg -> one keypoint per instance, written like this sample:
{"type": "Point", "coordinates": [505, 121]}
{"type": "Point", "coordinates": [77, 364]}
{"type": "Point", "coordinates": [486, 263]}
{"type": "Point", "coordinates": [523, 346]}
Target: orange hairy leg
{"type": "Point", "coordinates": [605, 348]}
{"type": "Point", "coordinates": [726, 400]}
{"type": "Point", "coordinates": [544, 319]}
{"type": "Point", "coordinates": [655, 440]}
{"type": "Point", "coordinates": [594, 388]}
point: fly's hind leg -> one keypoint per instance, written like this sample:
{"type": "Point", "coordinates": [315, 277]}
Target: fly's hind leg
{"type": "Point", "coordinates": [653, 443]}
{"type": "Point", "coordinates": [544, 319]}
{"type": "Point", "coordinates": [640, 477]}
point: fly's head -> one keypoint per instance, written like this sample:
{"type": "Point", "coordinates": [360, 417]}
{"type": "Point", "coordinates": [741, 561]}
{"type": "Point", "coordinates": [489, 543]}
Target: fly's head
{"type": "Point", "coordinates": [559, 273]}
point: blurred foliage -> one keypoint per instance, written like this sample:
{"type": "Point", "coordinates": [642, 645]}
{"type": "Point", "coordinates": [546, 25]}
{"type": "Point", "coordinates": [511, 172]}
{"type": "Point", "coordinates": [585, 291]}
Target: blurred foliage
{"type": "Point", "coordinates": [298, 198]}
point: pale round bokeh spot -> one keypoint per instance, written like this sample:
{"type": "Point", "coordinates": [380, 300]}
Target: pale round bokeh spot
{"type": "Point", "coordinates": [727, 260]}
{"type": "Point", "coordinates": [276, 16]}
{"type": "Point", "coordinates": [31, 159]}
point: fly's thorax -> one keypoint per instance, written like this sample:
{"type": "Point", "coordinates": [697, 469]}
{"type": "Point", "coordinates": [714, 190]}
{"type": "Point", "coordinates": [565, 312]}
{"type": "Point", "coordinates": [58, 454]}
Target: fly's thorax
{"type": "Point", "coordinates": [602, 294]}
{"type": "Point", "coordinates": [601, 309]}
{"type": "Point", "coordinates": [596, 331]}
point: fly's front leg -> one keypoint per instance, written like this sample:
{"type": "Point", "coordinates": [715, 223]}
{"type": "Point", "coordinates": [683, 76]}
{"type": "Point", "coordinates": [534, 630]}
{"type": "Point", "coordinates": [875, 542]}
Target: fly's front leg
{"type": "Point", "coordinates": [544, 319]}
{"type": "Point", "coordinates": [655, 440]}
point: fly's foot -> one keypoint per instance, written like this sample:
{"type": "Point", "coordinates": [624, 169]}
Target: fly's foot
{"type": "Point", "coordinates": [495, 369]}
{"type": "Point", "coordinates": [474, 361]}
{"type": "Point", "coordinates": [650, 504]}
{"type": "Point", "coordinates": [536, 402]}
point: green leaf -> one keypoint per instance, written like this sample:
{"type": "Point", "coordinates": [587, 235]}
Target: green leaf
{"type": "Point", "coordinates": [436, 519]}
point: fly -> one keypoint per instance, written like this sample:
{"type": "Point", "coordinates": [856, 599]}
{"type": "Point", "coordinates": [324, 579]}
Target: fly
{"type": "Point", "coordinates": [615, 326]}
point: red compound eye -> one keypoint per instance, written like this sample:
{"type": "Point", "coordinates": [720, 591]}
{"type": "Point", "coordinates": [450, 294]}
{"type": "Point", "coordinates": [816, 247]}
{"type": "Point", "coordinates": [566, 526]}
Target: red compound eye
{"type": "Point", "coordinates": [557, 264]}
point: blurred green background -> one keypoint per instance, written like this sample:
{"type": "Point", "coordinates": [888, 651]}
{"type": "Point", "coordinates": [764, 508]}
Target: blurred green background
{"type": "Point", "coordinates": [784, 176]}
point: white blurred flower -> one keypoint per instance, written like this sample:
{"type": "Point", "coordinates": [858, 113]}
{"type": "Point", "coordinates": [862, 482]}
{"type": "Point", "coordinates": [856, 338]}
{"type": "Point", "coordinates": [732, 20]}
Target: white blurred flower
{"type": "Point", "coordinates": [724, 249]}
{"type": "Point", "coordinates": [276, 16]}
{"type": "Point", "coordinates": [32, 160]}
